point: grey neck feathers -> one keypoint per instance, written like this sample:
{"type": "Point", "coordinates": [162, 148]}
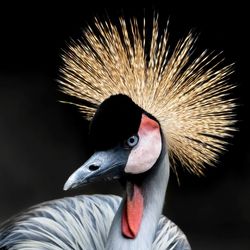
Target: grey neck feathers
{"type": "Point", "coordinates": [154, 188]}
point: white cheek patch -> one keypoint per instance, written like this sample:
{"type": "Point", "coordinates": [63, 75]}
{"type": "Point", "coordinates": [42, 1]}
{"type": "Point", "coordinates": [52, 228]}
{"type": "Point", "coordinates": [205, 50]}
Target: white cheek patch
{"type": "Point", "coordinates": [148, 149]}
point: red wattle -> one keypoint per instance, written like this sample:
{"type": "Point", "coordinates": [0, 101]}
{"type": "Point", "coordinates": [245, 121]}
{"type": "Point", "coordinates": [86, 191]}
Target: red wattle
{"type": "Point", "coordinates": [132, 213]}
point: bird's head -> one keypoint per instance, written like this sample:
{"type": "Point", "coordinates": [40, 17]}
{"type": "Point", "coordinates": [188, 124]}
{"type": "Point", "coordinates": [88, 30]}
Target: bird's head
{"type": "Point", "coordinates": [127, 141]}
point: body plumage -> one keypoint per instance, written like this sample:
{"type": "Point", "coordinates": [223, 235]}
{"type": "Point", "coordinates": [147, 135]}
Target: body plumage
{"type": "Point", "coordinates": [80, 222]}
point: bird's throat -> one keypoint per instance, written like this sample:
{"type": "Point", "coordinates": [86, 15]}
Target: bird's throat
{"type": "Point", "coordinates": [132, 211]}
{"type": "Point", "coordinates": [146, 202]}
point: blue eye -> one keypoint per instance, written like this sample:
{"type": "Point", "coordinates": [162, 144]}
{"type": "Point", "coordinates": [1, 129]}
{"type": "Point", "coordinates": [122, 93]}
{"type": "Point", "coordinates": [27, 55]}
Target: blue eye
{"type": "Point", "coordinates": [132, 141]}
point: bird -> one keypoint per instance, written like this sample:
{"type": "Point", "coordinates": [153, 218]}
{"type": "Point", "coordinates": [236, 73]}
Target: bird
{"type": "Point", "coordinates": [151, 108]}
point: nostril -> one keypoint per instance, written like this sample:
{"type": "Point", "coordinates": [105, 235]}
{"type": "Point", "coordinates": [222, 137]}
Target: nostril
{"type": "Point", "coordinates": [93, 167]}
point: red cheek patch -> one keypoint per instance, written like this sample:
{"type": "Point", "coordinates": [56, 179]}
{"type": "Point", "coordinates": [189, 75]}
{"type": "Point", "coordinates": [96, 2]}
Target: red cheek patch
{"type": "Point", "coordinates": [148, 124]}
{"type": "Point", "coordinates": [132, 213]}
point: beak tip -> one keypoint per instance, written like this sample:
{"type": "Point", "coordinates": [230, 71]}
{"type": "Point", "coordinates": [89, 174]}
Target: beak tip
{"type": "Point", "coordinates": [73, 182]}
{"type": "Point", "coordinates": [68, 185]}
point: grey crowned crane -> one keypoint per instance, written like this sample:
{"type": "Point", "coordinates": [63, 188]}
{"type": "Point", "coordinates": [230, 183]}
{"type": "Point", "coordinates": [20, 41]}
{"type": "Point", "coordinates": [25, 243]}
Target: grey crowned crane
{"type": "Point", "coordinates": [149, 107]}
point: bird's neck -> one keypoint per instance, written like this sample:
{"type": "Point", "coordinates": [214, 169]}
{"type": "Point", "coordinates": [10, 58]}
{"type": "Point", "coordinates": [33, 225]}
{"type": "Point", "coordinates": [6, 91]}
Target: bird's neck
{"type": "Point", "coordinates": [153, 187]}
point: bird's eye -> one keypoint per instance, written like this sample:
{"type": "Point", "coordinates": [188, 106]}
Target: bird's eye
{"type": "Point", "coordinates": [132, 141]}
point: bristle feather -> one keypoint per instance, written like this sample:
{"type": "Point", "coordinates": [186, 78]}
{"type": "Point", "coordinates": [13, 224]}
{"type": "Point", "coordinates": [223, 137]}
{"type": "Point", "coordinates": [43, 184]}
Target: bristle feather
{"type": "Point", "coordinates": [189, 97]}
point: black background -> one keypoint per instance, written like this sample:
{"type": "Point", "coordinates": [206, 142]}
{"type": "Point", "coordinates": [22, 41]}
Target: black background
{"type": "Point", "coordinates": [42, 141]}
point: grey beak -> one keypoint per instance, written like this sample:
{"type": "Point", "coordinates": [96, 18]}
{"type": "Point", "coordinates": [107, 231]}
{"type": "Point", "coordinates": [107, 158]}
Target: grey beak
{"type": "Point", "coordinates": [102, 164]}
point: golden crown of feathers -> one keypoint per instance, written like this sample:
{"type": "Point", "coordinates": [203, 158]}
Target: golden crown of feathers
{"type": "Point", "coordinates": [189, 97]}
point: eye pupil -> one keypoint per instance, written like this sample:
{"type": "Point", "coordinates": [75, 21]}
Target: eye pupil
{"type": "Point", "coordinates": [131, 140]}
